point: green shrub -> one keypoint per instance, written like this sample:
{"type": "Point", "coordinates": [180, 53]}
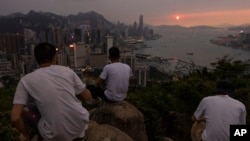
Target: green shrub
{"type": "Point", "coordinates": [7, 132]}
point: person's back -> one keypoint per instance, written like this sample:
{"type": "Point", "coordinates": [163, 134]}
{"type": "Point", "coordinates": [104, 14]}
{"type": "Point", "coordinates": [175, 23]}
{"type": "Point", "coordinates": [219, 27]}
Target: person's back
{"type": "Point", "coordinates": [117, 77]}
{"type": "Point", "coordinates": [52, 89]}
{"type": "Point", "coordinates": [219, 112]}
{"type": "Point", "coordinates": [113, 82]}
{"type": "Point", "coordinates": [46, 100]}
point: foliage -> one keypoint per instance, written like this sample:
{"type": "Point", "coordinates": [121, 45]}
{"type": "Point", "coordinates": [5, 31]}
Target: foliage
{"type": "Point", "coordinates": [151, 102]}
{"type": "Point", "coordinates": [229, 68]}
{"type": "Point", "coordinates": [6, 97]}
{"type": "Point", "coordinates": [8, 81]}
{"type": "Point", "coordinates": [155, 74]}
{"type": "Point", "coordinates": [7, 132]}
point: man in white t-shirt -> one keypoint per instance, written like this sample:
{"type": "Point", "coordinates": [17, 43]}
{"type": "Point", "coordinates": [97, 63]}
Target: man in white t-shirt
{"type": "Point", "coordinates": [219, 112]}
{"type": "Point", "coordinates": [113, 82]}
{"type": "Point", "coordinates": [56, 113]}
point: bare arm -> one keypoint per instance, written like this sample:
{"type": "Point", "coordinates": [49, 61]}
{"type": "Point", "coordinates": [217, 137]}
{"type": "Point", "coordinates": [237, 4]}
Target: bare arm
{"type": "Point", "coordinates": [86, 95]}
{"type": "Point", "coordinates": [201, 119]}
{"type": "Point", "coordinates": [101, 83]}
{"type": "Point", "coordinates": [17, 121]}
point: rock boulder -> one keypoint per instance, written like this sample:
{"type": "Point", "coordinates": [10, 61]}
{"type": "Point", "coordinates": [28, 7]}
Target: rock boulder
{"type": "Point", "coordinates": [123, 116]}
{"type": "Point", "coordinates": [104, 132]}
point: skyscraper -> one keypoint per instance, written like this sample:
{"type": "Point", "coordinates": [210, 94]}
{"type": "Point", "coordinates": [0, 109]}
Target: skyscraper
{"type": "Point", "coordinates": [140, 28]}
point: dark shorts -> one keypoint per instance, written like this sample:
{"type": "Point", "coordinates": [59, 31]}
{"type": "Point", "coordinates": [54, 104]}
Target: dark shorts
{"type": "Point", "coordinates": [98, 92]}
{"type": "Point", "coordinates": [31, 117]}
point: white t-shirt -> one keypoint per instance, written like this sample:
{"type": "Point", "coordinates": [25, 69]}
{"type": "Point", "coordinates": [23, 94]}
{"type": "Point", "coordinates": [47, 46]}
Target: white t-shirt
{"type": "Point", "coordinates": [116, 76]}
{"type": "Point", "coordinates": [54, 90]}
{"type": "Point", "coordinates": [220, 112]}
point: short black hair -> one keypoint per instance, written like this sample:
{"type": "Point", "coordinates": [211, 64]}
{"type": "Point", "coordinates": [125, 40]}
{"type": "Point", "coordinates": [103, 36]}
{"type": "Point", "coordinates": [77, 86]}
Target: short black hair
{"type": "Point", "coordinates": [225, 86]}
{"type": "Point", "coordinates": [114, 53]}
{"type": "Point", "coordinates": [44, 52]}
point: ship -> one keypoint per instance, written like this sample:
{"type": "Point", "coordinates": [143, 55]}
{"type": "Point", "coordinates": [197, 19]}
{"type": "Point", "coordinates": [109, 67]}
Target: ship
{"type": "Point", "coordinates": [190, 53]}
{"type": "Point", "coordinates": [129, 41]}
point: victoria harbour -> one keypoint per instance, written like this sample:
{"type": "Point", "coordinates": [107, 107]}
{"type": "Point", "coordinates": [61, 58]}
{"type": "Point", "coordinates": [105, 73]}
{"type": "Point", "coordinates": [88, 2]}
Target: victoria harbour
{"type": "Point", "coordinates": [192, 45]}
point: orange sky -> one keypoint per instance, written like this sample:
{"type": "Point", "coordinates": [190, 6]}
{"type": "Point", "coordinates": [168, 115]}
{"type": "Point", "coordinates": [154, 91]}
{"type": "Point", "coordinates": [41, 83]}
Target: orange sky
{"type": "Point", "coordinates": [238, 17]}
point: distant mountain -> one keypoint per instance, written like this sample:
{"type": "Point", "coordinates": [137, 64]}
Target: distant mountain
{"type": "Point", "coordinates": [245, 28]}
{"type": "Point", "coordinates": [171, 27]}
{"type": "Point", "coordinates": [15, 23]}
{"type": "Point", "coordinates": [224, 25]}
{"type": "Point", "coordinates": [203, 27]}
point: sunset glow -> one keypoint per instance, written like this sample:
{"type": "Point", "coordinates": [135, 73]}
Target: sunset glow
{"type": "Point", "coordinates": [177, 17]}
{"type": "Point", "coordinates": [233, 17]}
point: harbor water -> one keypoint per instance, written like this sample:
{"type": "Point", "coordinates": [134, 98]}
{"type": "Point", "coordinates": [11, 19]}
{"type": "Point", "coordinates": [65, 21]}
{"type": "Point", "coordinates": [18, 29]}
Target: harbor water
{"type": "Point", "coordinates": [192, 45]}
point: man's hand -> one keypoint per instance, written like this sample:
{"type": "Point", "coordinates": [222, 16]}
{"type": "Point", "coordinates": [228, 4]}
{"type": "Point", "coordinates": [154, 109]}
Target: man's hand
{"type": "Point", "coordinates": [17, 121]}
{"type": "Point", "coordinates": [86, 95]}
{"type": "Point", "coordinates": [23, 138]}
{"type": "Point", "coordinates": [100, 83]}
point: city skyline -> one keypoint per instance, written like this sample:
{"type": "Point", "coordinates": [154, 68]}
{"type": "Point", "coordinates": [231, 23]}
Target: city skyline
{"type": "Point", "coordinates": [158, 12]}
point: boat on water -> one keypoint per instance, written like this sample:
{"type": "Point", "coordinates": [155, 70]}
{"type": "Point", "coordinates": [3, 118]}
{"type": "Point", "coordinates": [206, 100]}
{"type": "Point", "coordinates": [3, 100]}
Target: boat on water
{"type": "Point", "coordinates": [190, 53]}
{"type": "Point", "coordinates": [140, 41]}
{"type": "Point", "coordinates": [133, 41]}
{"type": "Point", "coordinates": [146, 46]}
{"type": "Point", "coordinates": [130, 41]}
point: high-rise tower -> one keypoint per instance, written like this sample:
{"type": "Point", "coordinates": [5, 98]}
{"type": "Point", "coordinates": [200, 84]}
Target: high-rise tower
{"type": "Point", "coordinates": [140, 28]}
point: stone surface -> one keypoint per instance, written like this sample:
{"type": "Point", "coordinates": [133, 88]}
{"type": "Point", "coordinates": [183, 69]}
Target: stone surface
{"type": "Point", "coordinates": [123, 116]}
{"type": "Point", "coordinates": [104, 132]}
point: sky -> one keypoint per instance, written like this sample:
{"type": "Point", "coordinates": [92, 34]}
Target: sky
{"type": "Point", "coordinates": [155, 12]}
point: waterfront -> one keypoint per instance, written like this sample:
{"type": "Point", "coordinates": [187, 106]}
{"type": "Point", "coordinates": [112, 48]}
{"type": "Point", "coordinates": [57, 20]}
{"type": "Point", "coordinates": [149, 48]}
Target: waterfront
{"type": "Point", "coordinates": [192, 45]}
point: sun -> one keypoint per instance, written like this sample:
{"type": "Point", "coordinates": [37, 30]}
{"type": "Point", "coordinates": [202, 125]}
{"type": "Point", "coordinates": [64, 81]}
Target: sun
{"type": "Point", "coordinates": [177, 17]}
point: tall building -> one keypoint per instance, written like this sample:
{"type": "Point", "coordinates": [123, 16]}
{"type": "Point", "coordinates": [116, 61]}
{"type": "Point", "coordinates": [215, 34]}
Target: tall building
{"type": "Point", "coordinates": [29, 35]}
{"type": "Point", "coordinates": [50, 37]}
{"type": "Point", "coordinates": [11, 43]}
{"type": "Point", "coordinates": [134, 29]}
{"type": "Point", "coordinates": [109, 43]}
{"type": "Point", "coordinates": [140, 27]}
{"type": "Point", "coordinates": [58, 38]}
{"type": "Point", "coordinates": [129, 59]}
{"type": "Point", "coordinates": [141, 74]}
{"type": "Point", "coordinates": [85, 31]}
{"type": "Point", "coordinates": [5, 66]}
{"type": "Point", "coordinates": [78, 35]}
{"type": "Point", "coordinates": [78, 55]}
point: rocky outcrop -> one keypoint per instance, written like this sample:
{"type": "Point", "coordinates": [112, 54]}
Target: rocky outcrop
{"type": "Point", "coordinates": [104, 132]}
{"type": "Point", "coordinates": [123, 116]}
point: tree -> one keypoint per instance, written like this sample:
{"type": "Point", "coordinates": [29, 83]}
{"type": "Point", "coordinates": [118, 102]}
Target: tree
{"type": "Point", "coordinates": [229, 68]}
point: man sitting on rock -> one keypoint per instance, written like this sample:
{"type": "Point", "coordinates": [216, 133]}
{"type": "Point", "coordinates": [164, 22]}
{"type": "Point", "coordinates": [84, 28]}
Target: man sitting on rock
{"type": "Point", "coordinates": [219, 112]}
{"type": "Point", "coordinates": [55, 114]}
{"type": "Point", "coordinates": [113, 82]}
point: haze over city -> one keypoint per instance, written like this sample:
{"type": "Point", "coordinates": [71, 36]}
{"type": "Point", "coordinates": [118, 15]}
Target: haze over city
{"type": "Point", "coordinates": [156, 12]}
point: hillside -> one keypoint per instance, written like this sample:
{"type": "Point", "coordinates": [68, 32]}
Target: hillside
{"type": "Point", "coordinates": [15, 23]}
